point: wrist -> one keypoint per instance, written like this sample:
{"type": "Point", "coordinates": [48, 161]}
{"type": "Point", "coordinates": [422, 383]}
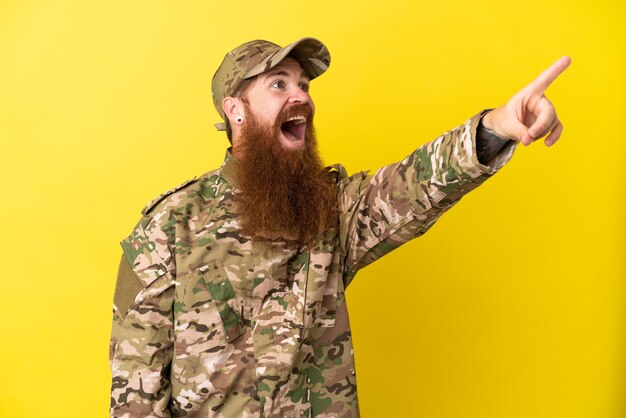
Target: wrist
{"type": "Point", "coordinates": [487, 120]}
{"type": "Point", "coordinates": [488, 142]}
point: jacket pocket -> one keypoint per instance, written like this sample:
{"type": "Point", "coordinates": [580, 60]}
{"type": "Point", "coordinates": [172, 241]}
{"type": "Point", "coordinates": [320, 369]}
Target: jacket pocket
{"type": "Point", "coordinates": [223, 296]}
{"type": "Point", "coordinates": [310, 301]}
{"type": "Point", "coordinates": [203, 319]}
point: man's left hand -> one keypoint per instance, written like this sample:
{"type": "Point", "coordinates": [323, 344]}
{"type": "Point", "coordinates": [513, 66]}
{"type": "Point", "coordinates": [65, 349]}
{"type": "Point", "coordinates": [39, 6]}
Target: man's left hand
{"type": "Point", "coordinates": [529, 115]}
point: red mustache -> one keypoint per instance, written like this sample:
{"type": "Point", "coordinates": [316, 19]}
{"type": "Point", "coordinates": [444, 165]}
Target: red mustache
{"type": "Point", "coordinates": [296, 110]}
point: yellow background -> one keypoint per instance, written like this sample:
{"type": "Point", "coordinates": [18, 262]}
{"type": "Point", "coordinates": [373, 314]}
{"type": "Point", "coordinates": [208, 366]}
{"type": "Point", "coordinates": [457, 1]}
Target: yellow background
{"type": "Point", "coordinates": [512, 306]}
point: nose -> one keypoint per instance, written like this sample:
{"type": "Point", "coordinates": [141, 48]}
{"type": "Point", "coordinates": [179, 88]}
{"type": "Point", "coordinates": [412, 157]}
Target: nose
{"type": "Point", "coordinates": [299, 96]}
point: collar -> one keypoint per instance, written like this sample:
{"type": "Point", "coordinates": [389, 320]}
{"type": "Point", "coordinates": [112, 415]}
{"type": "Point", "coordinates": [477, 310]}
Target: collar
{"type": "Point", "coordinates": [229, 168]}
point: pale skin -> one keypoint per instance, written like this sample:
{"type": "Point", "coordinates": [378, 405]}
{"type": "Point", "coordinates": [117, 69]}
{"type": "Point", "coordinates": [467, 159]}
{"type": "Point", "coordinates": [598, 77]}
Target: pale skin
{"type": "Point", "coordinates": [529, 115]}
{"type": "Point", "coordinates": [526, 117]}
{"type": "Point", "coordinates": [283, 86]}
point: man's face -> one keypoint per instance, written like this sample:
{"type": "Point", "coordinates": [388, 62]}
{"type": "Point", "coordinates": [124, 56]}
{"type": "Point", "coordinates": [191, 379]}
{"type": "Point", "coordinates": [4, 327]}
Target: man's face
{"type": "Point", "coordinates": [280, 97]}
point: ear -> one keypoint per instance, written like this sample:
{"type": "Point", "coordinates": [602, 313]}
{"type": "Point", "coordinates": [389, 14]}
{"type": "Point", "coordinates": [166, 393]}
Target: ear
{"type": "Point", "coordinates": [233, 107]}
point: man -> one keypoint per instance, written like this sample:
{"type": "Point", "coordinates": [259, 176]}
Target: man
{"type": "Point", "coordinates": [230, 299]}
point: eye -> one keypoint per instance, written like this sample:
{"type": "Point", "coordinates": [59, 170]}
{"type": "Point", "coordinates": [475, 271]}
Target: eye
{"type": "Point", "coordinates": [278, 84]}
{"type": "Point", "coordinates": [304, 87]}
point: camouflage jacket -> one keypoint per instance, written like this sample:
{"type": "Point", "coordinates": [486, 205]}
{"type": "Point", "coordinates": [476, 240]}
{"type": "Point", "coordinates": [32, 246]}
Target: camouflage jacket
{"type": "Point", "coordinates": [208, 322]}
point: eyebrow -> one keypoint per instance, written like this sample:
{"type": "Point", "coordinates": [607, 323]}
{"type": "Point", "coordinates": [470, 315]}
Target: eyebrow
{"type": "Point", "coordinates": [285, 74]}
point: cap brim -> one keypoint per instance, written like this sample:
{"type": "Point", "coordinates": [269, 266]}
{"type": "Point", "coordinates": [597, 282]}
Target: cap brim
{"type": "Point", "coordinates": [311, 53]}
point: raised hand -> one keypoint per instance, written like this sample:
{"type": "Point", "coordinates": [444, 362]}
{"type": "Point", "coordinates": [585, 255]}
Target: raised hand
{"type": "Point", "coordinates": [529, 115]}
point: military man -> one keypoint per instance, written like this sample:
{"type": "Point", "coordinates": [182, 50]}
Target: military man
{"type": "Point", "coordinates": [230, 299]}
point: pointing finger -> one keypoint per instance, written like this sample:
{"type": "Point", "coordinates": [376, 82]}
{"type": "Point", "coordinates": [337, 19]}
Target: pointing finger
{"type": "Point", "coordinates": [541, 83]}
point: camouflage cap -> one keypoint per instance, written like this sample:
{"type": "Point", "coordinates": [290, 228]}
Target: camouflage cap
{"type": "Point", "coordinates": [256, 57]}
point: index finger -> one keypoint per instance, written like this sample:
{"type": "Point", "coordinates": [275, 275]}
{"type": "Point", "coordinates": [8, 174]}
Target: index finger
{"type": "Point", "coordinates": [544, 80]}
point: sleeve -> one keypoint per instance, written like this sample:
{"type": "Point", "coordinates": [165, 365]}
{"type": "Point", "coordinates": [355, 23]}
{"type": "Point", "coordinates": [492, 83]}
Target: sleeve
{"type": "Point", "coordinates": [142, 335]}
{"type": "Point", "coordinates": [381, 211]}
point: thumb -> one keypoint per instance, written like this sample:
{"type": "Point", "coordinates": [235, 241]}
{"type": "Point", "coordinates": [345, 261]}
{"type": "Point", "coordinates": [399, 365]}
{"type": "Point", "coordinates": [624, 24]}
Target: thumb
{"type": "Point", "coordinates": [519, 132]}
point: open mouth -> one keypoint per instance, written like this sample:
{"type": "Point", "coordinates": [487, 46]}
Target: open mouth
{"type": "Point", "coordinates": [294, 128]}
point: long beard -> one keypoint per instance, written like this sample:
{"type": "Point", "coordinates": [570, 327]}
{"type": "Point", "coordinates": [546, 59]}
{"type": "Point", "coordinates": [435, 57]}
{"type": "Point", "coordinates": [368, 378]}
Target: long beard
{"type": "Point", "coordinates": [284, 193]}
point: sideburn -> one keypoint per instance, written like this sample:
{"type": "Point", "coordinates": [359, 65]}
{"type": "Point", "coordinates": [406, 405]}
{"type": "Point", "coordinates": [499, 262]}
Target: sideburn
{"type": "Point", "coordinates": [285, 194]}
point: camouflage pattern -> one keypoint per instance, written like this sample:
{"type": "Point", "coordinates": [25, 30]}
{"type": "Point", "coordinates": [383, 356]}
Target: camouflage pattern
{"type": "Point", "coordinates": [222, 325]}
{"type": "Point", "coordinates": [256, 57]}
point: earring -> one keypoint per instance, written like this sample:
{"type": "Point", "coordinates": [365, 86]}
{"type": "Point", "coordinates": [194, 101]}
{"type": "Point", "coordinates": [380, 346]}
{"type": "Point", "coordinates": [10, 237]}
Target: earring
{"type": "Point", "coordinates": [239, 119]}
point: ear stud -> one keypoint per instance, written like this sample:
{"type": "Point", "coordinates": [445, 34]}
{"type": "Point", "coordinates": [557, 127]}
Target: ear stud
{"type": "Point", "coordinates": [239, 119]}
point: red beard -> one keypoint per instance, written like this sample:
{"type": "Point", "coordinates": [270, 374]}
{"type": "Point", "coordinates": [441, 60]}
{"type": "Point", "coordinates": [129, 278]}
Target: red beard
{"type": "Point", "coordinates": [285, 193]}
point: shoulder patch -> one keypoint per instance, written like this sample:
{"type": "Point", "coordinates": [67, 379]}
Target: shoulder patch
{"type": "Point", "coordinates": [160, 197]}
{"type": "Point", "coordinates": [337, 171]}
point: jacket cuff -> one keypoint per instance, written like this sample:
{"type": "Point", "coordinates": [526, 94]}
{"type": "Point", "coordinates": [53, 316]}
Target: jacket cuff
{"type": "Point", "coordinates": [467, 150]}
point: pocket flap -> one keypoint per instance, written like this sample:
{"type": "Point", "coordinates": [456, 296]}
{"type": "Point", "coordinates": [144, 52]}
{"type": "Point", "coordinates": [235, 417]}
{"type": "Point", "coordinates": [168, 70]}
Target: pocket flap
{"type": "Point", "coordinates": [202, 321]}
